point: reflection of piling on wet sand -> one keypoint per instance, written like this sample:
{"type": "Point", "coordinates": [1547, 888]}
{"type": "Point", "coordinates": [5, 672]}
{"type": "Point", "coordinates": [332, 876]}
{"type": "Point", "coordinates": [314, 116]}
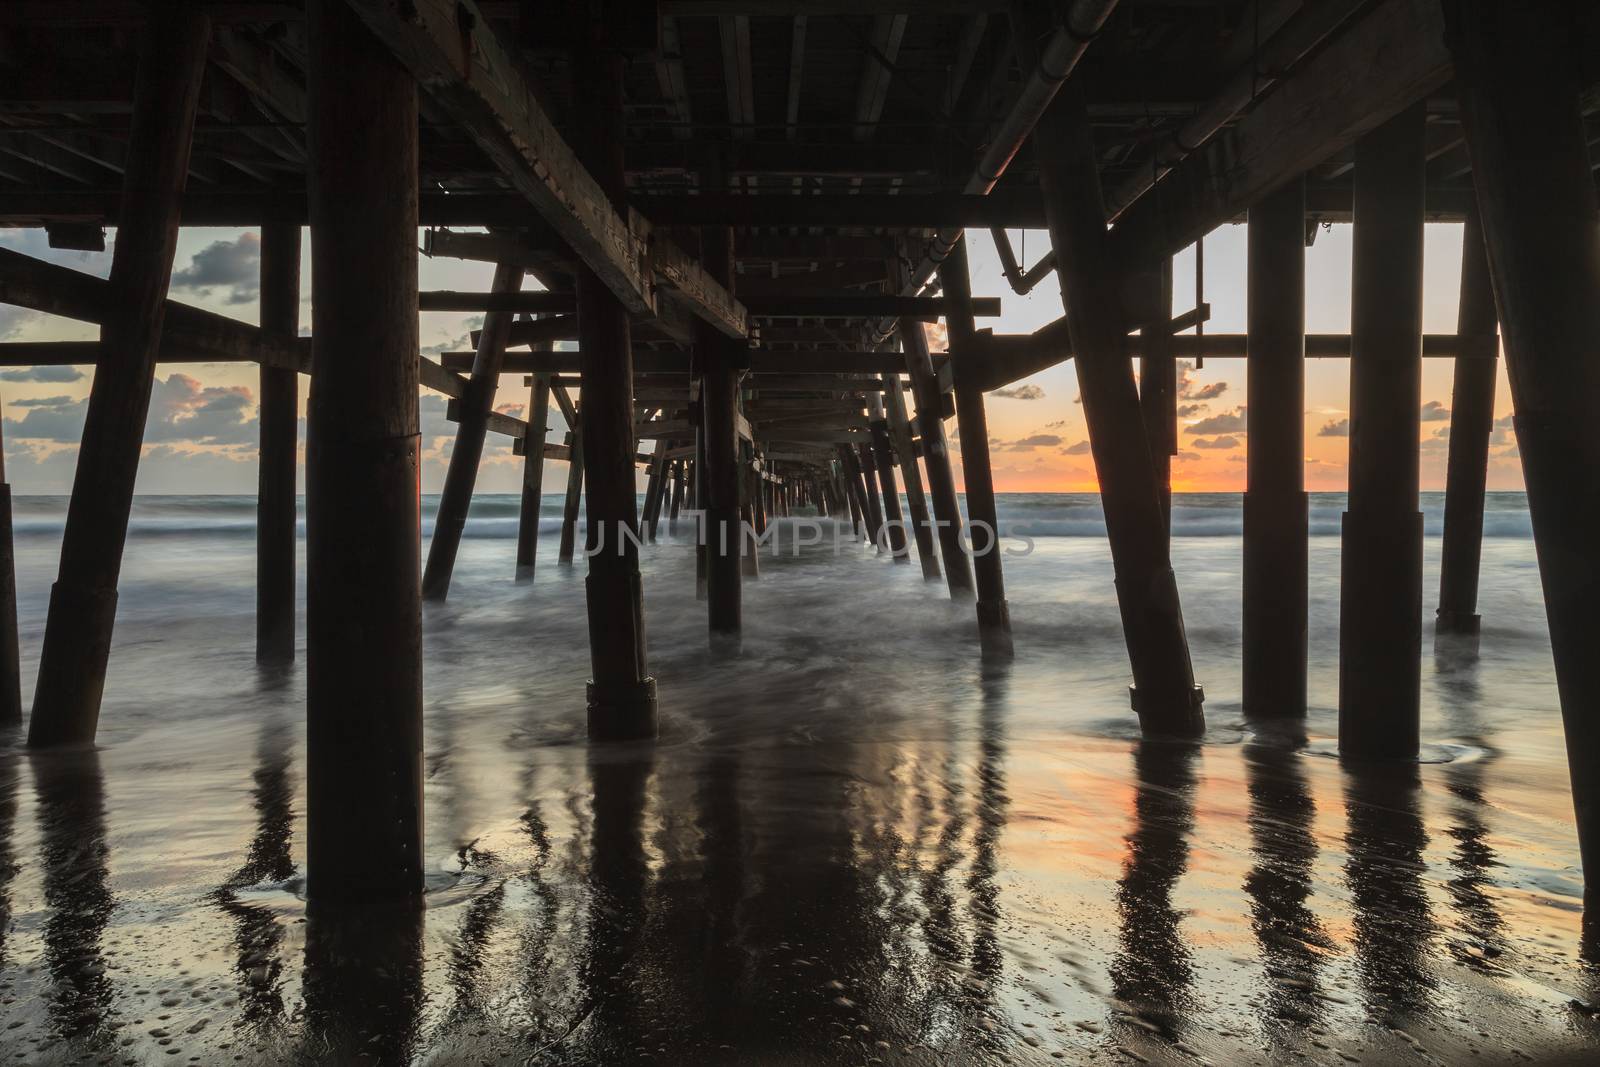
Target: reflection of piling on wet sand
{"type": "Point", "coordinates": [750, 349]}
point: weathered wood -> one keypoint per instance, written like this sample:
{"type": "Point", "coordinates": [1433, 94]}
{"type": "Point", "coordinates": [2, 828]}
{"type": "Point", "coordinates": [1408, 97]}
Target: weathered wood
{"type": "Point", "coordinates": [83, 601]}
{"type": "Point", "coordinates": [719, 364]}
{"type": "Point", "coordinates": [473, 409]}
{"type": "Point", "coordinates": [1164, 693]}
{"type": "Point", "coordinates": [573, 498]}
{"type": "Point", "coordinates": [883, 457]}
{"type": "Point", "coordinates": [1158, 389]}
{"type": "Point", "coordinates": [363, 543]}
{"type": "Point", "coordinates": [1275, 502]}
{"type": "Point", "coordinates": [188, 334]}
{"type": "Point", "coordinates": [867, 472]}
{"type": "Point", "coordinates": [1467, 467]}
{"type": "Point", "coordinates": [454, 52]}
{"type": "Point", "coordinates": [621, 691]}
{"type": "Point", "coordinates": [532, 478]}
{"type": "Point", "coordinates": [532, 302]}
{"type": "Point", "coordinates": [936, 458]}
{"type": "Point", "coordinates": [994, 616]}
{"type": "Point", "coordinates": [654, 487]}
{"type": "Point", "coordinates": [10, 660]}
{"type": "Point", "coordinates": [1518, 76]}
{"type": "Point", "coordinates": [911, 475]}
{"type": "Point", "coordinates": [656, 362]}
{"type": "Point", "coordinates": [1380, 609]}
{"type": "Point", "coordinates": [1393, 56]}
{"type": "Point", "coordinates": [277, 504]}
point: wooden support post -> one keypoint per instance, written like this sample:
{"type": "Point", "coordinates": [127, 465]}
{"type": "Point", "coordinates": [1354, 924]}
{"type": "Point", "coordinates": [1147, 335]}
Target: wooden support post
{"type": "Point", "coordinates": [1380, 609]}
{"type": "Point", "coordinates": [856, 482]}
{"type": "Point", "coordinates": [1164, 693]}
{"type": "Point", "coordinates": [720, 362]}
{"type": "Point", "coordinates": [678, 481]}
{"type": "Point", "coordinates": [994, 616]}
{"type": "Point", "coordinates": [850, 487]}
{"type": "Point", "coordinates": [869, 485]}
{"type": "Point", "coordinates": [936, 457]}
{"type": "Point", "coordinates": [1275, 502]}
{"type": "Point", "coordinates": [653, 487]}
{"type": "Point", "coordinates": [363, 542]}
{"type": "Point", "coordinates": [532, 476]}
{"type": "Point", "coordinates": [10, 660]}
{"type": "Point", "coordinates": [1467, 469]}
{"type": "Point", "coordinates": [894, 405]}
{"type": "Point", "coordinates": [1517, 70]}
{"type": "Point", "coordinates": [462, 474]}
{"type": "Point", "coordinates": [83, 602]}
{"type": "Point", "coordinates": [697, 493]}
{"type": "Point", "coordinates": [621, 692]}
{"type": "Point", "coordinates": [574, 497]}
{"type": "Point", "coordinates": [1158, 391]}
{"type": "Point", "coordinates": [884, 453]}
{"type": "Point", "coordinates": [749, 507]}
{"type": "Point", "coordinates": [276, 502]}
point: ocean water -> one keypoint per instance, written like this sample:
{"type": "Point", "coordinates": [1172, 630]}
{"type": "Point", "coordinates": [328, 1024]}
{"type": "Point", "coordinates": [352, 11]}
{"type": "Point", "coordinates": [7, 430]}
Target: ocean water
{"type": "Point", "coordinates": [852, 844]}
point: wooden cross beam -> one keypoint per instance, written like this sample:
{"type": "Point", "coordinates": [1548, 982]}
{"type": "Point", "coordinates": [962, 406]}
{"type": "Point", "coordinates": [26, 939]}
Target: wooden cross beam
{"type": "Point", "coordinates": [451, 50]}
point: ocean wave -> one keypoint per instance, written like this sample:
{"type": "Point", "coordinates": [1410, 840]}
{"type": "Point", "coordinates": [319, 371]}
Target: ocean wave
{"type": "Point", "coordinates": [496, 516]}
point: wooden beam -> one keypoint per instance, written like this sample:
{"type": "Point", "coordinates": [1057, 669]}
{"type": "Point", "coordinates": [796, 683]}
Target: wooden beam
{"type": "Point", "coordinates": [189, 334]}
{"type": "Point", "coordinates": [1389, 59]}
{"type": "Point", "coordinates": [453, 52]}
{"type": "Point", "coordinates": [887, 33]}
{"type": "Point", "coordinates": [533, 302]}
{"type": "Point", "coordinates": [737, 79]}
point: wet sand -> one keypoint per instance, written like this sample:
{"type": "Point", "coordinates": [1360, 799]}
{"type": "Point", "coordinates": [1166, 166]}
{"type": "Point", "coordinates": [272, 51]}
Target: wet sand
{"type": "Point", "coordinates": [852, 844]}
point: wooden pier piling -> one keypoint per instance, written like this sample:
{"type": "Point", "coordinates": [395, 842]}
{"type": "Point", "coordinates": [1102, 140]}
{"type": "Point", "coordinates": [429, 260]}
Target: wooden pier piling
{"type": "Point", "coordinates": [1276, 511]}
{"type": "Point", "coordinates": [1158, 390]}
{"type": "Point", "coordinates": [1164, 693]}
{"type": "Point", "coordinates": [83, 601]}
{"type": "Point", "coordinates": [867, 471]}
{"type": "Point", "coordinates": [10, 658]}
{"type": "Point", "coordinates": [533, 475]}
{"type": "Point", "coordinates": [574, 494]}
{"type": "Point", "coordinates": [994, 615]}
{"type": "Point", "coordinates": [1380, 611]}
{"type": "Point", "coordinates": [1517, 69]}
{"type": "Point", "coordinates": [455, 500]}
{"type": "Point", "coordinates": [277, 506]}
{"type": "Point", "coordinates": [884, 454]}
{"type": "Point", "coordinates": [1467, 467]}
{"type": "Point", "coordinates": [894, 405]}
{"type": "Point", "coordinates": [720, 360]}
{"type": "Point", "coordinates": [621, 692]}
{"type": "Point", "coordinates": [363, 532]}
{"type": "Point", "coordinates": [936, 457]}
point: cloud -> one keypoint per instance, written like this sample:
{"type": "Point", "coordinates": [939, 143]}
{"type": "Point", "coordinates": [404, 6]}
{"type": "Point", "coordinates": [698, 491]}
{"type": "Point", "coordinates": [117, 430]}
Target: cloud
{"type": "Point", "coordinates": [1189, 389]}
{"type": "Point", "coordinates": [1186, 410]}
{"type": "Point", "coordinates": [181, 410]}
{"type": "Point", "coordinates": [1228, 422]}
{"type": "Point", "coordinates": [1223, 442]}
{"type": "Point", "coordinates": [61, 421]}
{"type": "Point", "coordinates": [1335, 428]}
{"type": "Point", "coordinates": [938, 336]}
{"type": "Point", "coordinates": [1020, 392]}
{"type": "Point", "coordinates": [13, 320]}
{"type": "Point", "coordinates": [1504, 431]}
{"type": "Point", "coordinates": [1079, 449]}
{"type": "Point", "coordinates": [231, 265]}
{"type": "Point", "coordinates": [42, 374]}
{"type": "Point", "coordinates": [1028, 444]}
{"type": "Point", "coordinates": [1433, 411]}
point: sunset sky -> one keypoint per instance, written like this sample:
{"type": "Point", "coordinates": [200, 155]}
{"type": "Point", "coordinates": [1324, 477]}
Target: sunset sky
{"type": "Point", "coordinates": [201, 436]}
